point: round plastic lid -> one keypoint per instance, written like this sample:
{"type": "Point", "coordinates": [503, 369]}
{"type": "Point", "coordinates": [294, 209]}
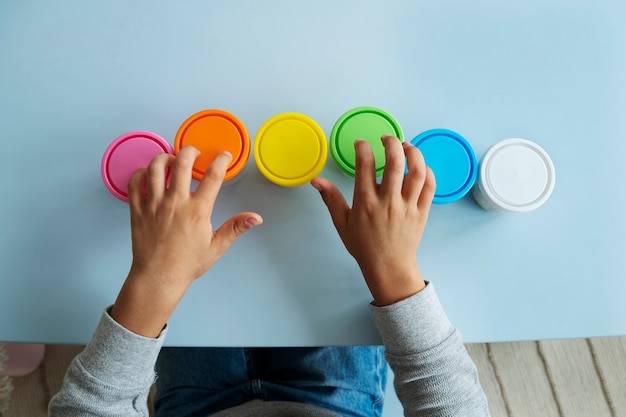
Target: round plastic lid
{"type": "Point", "coordinates": [290, 149]}
{"type": "Point", "coordinates": [127, 154]}
{"type": "Point", "coordinates": [452, 160]}
{"type": "Point", "coordinates": [368, 123]}
{"type": "Point", "coordinates": [211, 132]}
{"type": "Point", "coordinates": [517, 175]}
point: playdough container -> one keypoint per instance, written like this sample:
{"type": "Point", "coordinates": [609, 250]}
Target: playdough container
{"type": "Point", "coordinates": [212, 132]}
{"type": "Point", "coordinates": [290, 149]}
{"type": "Point", "coordinates": [125, 155]}
{"type": "Point", "coordinates": [452, 160]}
{"type": "Point", "coordinates": [516, 175]}
{"type": "Point", "coordinates": [368, 123]}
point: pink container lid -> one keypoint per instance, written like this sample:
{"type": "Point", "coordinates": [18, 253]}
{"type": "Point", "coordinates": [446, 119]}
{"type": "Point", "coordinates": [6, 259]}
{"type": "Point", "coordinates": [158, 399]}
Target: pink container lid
{"type": "Point", "coordinates": [127, 154]}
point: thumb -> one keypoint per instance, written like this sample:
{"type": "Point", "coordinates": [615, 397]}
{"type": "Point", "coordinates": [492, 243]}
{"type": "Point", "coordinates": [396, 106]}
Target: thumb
{"type": "Point", "coordinates": [233, 228]}
{"type": "Point", "coordinates": [335, 202]}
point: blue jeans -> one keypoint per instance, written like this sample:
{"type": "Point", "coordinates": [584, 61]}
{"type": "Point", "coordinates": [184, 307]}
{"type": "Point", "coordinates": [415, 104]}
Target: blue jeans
{"type": "Point", "coordinates": [349, 381]}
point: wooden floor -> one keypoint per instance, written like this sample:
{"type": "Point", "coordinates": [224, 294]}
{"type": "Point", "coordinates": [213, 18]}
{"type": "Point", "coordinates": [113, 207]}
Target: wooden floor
{"type": "Point", "coordinates": [577, 378]}
{"type": "Point", "coordinates": [572, 378]}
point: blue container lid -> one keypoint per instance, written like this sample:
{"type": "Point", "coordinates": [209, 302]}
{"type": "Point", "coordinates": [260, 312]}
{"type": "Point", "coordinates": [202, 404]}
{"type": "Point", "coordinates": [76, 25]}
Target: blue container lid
{"type": "Point", "coordinates": [452, 160]}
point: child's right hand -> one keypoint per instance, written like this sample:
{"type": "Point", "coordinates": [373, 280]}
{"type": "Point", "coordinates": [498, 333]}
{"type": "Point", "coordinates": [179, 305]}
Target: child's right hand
{"type": "Point", "coordinates": [384, 227]}
{"type": "Point", "coordinates": [173, 239]}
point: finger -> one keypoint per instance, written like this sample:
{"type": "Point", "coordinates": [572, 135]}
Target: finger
{"type": "Point", "coordinates": [335, 202]}
{"type": "Point", "coordinates": [182, 165]}
{"type": "Point", "coordinates": [213, 179]}
{"type": "Point", "coordinates": [393, 175]}
{"type": "Point", "coordinates": [136, 188]}
{"type": "Point", "coordinates": [415, 178]}
{"type": "Point", "coordinates": [233, 228]}
{"type": "Point", "coordinates": [365, 175]}
{"type": "Point", "coordinates": [428, 191]}
{"type": "Point", "coordinates": [156, 176]}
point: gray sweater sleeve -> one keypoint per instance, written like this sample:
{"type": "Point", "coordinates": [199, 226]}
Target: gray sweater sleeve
{"type": "Point", "coordinates": [434, 375]}
{"type": "Point", "coordinates": [111, 377]}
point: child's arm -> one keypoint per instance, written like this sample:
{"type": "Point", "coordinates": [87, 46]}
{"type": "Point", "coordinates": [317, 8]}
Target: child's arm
{"type": "Point", "coordinates": [434, 375]}
{"type": "Point", "coordinates": [111, 376]}
{"type": "Point", "coordinates": [173, 244]}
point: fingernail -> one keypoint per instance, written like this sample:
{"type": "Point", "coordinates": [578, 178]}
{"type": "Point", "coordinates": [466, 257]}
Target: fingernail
{"type": "Point", "coordinates": [230, 155]}
{"type": "Point", "coordinates": [252, 222]}
{"type": "Point", "coordinates": [316, 186]}
{"type": "Point", "coordinates": [386, 135]}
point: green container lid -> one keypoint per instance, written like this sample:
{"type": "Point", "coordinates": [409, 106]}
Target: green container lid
{"type": "Point", "coordinates": [368, 123]}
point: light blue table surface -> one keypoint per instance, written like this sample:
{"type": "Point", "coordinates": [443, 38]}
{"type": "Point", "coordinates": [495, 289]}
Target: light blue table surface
{"type": "Point", "coordinates": [74, 75]}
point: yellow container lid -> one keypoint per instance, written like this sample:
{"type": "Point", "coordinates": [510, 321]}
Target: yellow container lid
{"type": "Point", "coordinates": [290, 149]}
{"type": "Point", "coordinates": [211, 132]}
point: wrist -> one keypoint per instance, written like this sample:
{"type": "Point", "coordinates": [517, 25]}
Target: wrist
{"type": "Point", "coordinates": [388, 286]}
{"type": "Point", "coordinates": [144, 307]}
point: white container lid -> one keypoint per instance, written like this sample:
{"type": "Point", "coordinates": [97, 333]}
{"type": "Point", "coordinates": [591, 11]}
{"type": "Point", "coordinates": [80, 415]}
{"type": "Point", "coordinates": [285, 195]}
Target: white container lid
{"type": "Point", "coordinates": [515, 175]}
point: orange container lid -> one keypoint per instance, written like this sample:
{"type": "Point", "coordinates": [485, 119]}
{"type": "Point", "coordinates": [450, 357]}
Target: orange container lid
{"type": "Point", "coordinates": [211, 132]}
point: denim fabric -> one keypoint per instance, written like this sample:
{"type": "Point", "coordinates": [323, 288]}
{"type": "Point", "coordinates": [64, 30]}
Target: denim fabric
{"type": "Point", "coordinates": [349, 381]}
